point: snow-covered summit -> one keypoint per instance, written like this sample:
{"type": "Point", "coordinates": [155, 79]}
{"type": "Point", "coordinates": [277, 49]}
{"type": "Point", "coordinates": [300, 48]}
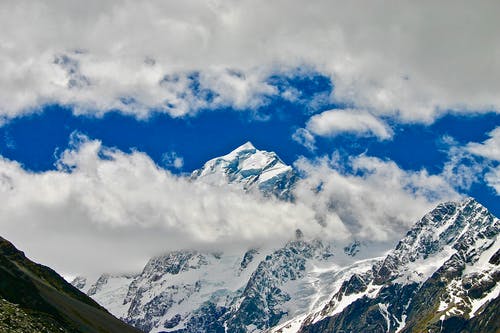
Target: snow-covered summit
{"type": "Point", "coordinates": [247, 146]}
{"type": "Point", "coordinates": [252, 169]}
{"type": "Point", "coordinates": [443, 276]}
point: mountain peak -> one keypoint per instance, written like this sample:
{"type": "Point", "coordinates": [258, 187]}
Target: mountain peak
{"type": "Point", "coordinates": [251, 168]}
{"type": "Point", "coordinates": [246, 146]}
{"type": "Point", "coordinates": [447, 229]}
{"type": "Point", "coordinates": [244, 149]}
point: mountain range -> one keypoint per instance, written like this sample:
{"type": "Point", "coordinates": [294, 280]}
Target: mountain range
{"type": "Point", "coordinates": [441, 277]}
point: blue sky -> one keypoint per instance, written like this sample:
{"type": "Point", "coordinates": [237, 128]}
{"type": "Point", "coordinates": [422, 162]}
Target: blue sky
{"type": "Point", "coordinates": [105, 106]}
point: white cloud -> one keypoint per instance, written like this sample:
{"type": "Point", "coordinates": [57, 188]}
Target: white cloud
{"type": "Point", "coordinates": [357, 122]}
{"type": "Point", "coordinates": [305, 138]}
{"type": "Point", "coordinates": [404, 59]}
{"type": "Point", "coordinates": [493, 179]}
{"type": "Point", "coordinates": [375, 199]}
{"type": "Point", "coordinates": [106, 210]}
{"type": "Point", "coordinates": [462, 169]}
{"type": "Point", "coordinates": [490, 148]}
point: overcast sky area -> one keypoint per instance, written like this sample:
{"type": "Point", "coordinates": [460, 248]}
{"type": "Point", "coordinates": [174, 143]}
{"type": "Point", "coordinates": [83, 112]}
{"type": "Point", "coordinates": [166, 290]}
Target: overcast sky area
{"type": "Point", "coordinates": [106, 107]}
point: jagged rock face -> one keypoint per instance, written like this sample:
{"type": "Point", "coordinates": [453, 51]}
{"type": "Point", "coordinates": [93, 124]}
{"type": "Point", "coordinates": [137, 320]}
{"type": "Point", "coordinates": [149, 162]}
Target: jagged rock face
{"type": "Point", "coordinates": [248, 258]}
{"type": "Point", "coordinates": [162, 285]}
{"type": "Point", "coordinates": [251, 169]}
{"type": "Point", "coordinates": [440, 278]}
{"type": "Point", "coordinates": [79, 282]}
{"type": "Point", "coordinates": [353, 248]}
{"type": "Point", "coordinates": [244, 293]}
{"type": "Point", "coordinates": [260, 303]}
{"type": "Point", "coordinates": [189, 291]}
{"type": "Point", "coordinates": [96, 287]}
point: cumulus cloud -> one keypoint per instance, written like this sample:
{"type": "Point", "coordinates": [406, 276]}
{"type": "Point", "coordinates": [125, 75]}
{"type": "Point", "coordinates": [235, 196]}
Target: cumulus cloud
{"type": "Point", "coordinates": [357, 122]}
{"type": "Point", "coordinates": [376, 199]}
{"type": "Point", "coordinates": [404, 59]}
{"type": "Point", "coordinates": [107, 210]}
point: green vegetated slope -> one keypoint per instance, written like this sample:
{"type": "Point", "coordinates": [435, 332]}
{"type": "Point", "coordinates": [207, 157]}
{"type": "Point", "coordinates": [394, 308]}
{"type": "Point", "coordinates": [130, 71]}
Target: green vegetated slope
{"type": "Point", "coordinates": [34, 298]}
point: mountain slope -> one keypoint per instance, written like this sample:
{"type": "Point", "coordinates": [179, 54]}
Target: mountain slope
{"type": "Point", "coordinates": [190, 291]}
{"type": "Point", "coordinates": [442, 277]}
{"type": "Point", "coordinates": [33, 298]}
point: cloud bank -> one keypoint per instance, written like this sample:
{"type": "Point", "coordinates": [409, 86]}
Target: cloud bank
{"type": "Point", "coordinates": [408, 60]}
{"type": "Point", "coordinates": [106, 210]}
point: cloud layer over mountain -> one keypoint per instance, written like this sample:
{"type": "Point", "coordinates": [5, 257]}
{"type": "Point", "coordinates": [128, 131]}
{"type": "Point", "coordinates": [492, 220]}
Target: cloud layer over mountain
{"type": "Point", "coordinates": [108, 210]}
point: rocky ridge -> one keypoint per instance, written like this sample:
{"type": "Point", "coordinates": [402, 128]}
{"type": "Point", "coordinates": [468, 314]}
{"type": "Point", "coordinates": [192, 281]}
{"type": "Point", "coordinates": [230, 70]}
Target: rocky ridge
{"type": "Point", "coordinates": [442, 277]}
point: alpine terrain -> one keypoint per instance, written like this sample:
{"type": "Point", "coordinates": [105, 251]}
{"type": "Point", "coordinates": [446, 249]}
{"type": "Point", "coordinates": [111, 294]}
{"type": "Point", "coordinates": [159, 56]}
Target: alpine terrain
{"type": "Point", "coordinates": [441, 277]}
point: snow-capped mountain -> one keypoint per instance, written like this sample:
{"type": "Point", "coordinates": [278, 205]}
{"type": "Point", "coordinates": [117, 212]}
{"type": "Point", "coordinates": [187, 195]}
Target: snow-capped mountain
{"type": "Point", "coordinates": [441, 277]}
{"type": "Point", "coordinates": [191, 291]}
{"type": "Point", "coordinates": [250, 168]}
